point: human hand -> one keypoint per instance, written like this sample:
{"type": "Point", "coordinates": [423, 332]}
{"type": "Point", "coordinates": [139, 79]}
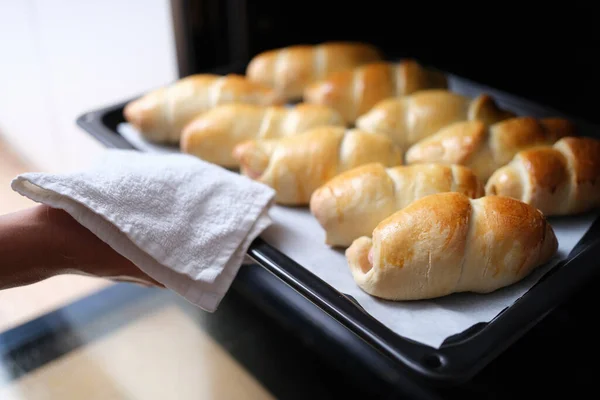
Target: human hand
{"type": "Point", "coordinates": [41, 242]}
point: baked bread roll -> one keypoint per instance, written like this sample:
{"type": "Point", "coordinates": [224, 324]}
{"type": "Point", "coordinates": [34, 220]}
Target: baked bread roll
{"type": "Point", "coordinates": [161, 114]}
{"type": "Point", "coordinates": [562, 179]}
{"type": "Point", "coordinates": [353, 203]}
{"type": "Point", "coordinates": [448, 243]}
{"type": "Point", "coordinates": [295, 166]}
{"type": "Point", "coordinates": [486, 148]}
{"type": "Point", "coordinates": [213, 135]}
{"type": "Point", "coordinates": [408, 119]}
{"type": "Point", "coordinates": [354, 91]}
{"type": "Point", "coordinates": [291, 69]}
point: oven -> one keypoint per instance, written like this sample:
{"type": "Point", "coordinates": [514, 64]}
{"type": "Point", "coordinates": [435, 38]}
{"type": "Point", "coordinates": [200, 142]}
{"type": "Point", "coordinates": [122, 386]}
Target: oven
{"type": "Point", "coordinates": [530, 60]}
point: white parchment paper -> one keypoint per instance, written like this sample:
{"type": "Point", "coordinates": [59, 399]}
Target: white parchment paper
{"type": "Point", "coordinates": [297, 234]}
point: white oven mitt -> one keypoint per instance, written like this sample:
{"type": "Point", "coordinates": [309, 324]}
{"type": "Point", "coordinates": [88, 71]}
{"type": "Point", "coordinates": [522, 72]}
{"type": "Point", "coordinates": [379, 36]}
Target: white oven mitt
{"type": "Point", "coordinates": [184, 222]}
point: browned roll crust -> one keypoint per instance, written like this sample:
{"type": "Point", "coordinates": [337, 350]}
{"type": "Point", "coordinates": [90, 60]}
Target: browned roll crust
{"type": "Point", "coordinates": [411, 118]}
{"type": "Point", "coordinates": [562, 179]}
{"type": "Point", "coordinates": [213, 135]}
{"type": "Point", "coordinates": [161, 114]}
{"type": "Point", "coordinates": [355, 91]}
{"type": "Point", "coordinates": [291, 69]}
{"type": "Point", "coordinates": [296, 166]}
{"type": "Point", "coordinates": [486, 148]}
{"type": "Point", "coordinates": [354, 202]}
{"type": "Point", "coordinates": [448, 243]}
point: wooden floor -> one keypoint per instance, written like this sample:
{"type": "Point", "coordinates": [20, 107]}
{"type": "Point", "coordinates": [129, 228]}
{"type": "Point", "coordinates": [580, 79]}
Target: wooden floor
{"type": "Point", "coordinates": [22, 304]}
{"type": "Point", "coordinates": [161, 356]}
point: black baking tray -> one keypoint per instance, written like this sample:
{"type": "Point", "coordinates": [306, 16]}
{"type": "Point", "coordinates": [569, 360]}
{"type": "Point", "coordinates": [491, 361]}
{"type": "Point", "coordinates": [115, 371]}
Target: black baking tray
{"type": "Point", "coordinates": [461, 356]}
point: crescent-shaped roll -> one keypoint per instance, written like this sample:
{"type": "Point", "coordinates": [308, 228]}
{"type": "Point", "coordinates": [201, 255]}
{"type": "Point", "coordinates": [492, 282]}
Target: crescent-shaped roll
{"type": "Point", "coordinates": [562, 179]}
{"type": "Point", "coordinates": [447, 243]}
{"type": "Point", "coordinates": [213, 135]}
{"type": "Point", "coordinates": [355, 91]}
{"type": "Point", "coordinates": [485, 148]}
{"type": "Point", "coordinates": [353, 203]}
{"type": "Point", "coordinates": [295, 166]}
{"type": "Point", "coordinates": [289, 70]}
{"type": "Point", "coordinates": [161, 114]}
{"type": "Point", "coordinates": [408, 119]}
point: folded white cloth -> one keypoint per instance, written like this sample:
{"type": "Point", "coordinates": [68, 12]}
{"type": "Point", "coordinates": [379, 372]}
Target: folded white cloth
{"type": "Point", "coordinates": [184, 222]}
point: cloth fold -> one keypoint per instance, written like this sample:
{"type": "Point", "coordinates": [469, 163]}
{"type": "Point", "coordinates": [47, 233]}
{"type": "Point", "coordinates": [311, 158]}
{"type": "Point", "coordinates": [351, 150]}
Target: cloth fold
{"type": "Point", "coordinates": [184, 222]}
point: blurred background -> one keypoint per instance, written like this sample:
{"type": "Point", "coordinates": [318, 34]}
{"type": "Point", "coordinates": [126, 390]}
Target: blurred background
{"type": "Point", "coordinates": [59, 59]}
{"type": "Point", "coordinates": [78, 337]}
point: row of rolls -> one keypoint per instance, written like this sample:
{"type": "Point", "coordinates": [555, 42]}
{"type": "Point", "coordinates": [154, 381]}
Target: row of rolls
{"type": "Point", "coordinates": [430, 192]}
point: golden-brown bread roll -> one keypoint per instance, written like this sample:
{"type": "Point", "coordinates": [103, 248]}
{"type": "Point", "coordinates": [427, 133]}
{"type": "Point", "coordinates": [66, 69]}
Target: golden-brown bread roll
{"type": "Point", "coordinates": [289, 70]}
{"type": "Point", "coordinates": [354, 91]}
{"type": "Point", "coordinates": [562, 179]}
{"type": "Point", "coordinates": [408, 119]}
{"type": "Point", "coordinates": [448, 243]}
{"type": "Point", "coordinates": [213, 135]}
{"type": "Point", "coordinates": [295, 166]}
{"type": "Point", "coordinates": [486, 148]}
{"type": "Point", "coordinates": [352, 204]}
{"type": "Point", "coordinates": [161, 114]}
